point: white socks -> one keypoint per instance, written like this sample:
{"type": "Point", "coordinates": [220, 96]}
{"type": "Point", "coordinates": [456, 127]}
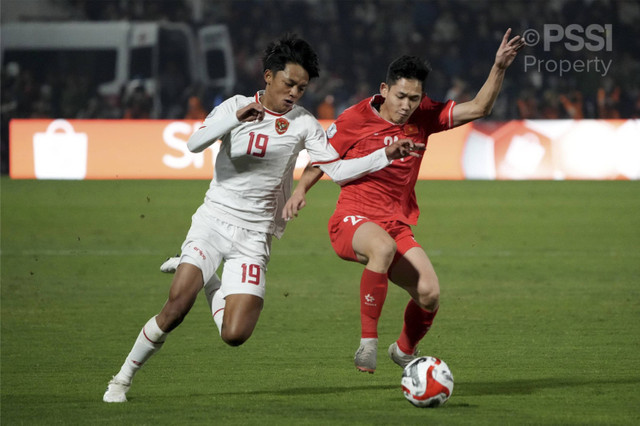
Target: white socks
{"type": "Point", "coordinates": [215, 298]}
{"type": "Point", "coordinates": [151, 337]}
{"type": "Point", "coordinates": [217, 309]}
{"type": "Point", "coordinates": [149, 342]}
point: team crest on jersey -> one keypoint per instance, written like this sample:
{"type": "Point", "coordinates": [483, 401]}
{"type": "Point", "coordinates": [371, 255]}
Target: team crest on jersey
{"type": "Point", "coordinates": [282, 125]}
{"type": "Point", "coordinates": [410, 129]}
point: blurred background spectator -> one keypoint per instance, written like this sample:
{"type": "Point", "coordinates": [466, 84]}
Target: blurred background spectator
{"type": "Point", "coordinates": [355, 41]}
{"type": "Point", "coordinates": [138, 105]}
{"type": "Point", "coordinates": [326, 110]}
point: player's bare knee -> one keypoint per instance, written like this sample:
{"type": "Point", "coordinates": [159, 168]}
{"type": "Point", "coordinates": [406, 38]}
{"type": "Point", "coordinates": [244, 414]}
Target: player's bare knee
{"type": "Point", "coordinates": [235, 334]}
{"type": "Point", "coordinates": [429, 299]}
{"type": "Point", "coordinates": [237, 341]}
{"type": "Point", "coordinates": [232, 338]}
{"type": "Point", "coordinates": [383, 251]}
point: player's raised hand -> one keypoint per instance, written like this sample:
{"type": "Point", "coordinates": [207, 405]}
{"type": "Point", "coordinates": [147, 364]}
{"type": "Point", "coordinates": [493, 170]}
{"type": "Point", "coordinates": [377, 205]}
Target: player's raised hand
{"type": "Point", "coordinates": [403, 148]}
{"type": "Point", "coordinates": [252, 112]}
{"type": "Point", "coordinates": [508, 49]}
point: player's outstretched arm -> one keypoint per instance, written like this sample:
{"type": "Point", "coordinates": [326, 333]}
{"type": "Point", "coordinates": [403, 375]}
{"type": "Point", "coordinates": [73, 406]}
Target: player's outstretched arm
{"type": "Point", "coordinates": [345, 171]}
{"type": "Point", "coordinates": [482, 104]}
{"type": "Point", "coordinates": [297, 201]}
{"type": "Point", "coordinates": [397, 150]}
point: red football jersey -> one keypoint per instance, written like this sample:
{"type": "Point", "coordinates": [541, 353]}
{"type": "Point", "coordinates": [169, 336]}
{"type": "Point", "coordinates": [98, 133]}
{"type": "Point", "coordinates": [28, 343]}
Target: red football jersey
{"type": "Point", "coordinates": [388, 194]}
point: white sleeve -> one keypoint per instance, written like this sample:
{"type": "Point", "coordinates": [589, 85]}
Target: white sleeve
{"type": "Point", "coordinates": [324, 155]}
{"type": "Point", "coordinates": [218, 123]}
{"type": "Point", "coordinates": [344, 171]}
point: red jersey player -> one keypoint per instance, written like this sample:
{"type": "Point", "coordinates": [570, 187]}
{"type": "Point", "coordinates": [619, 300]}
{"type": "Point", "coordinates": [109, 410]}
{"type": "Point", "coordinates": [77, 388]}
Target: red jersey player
{"type": "Point", "coordinates": [374, 214]}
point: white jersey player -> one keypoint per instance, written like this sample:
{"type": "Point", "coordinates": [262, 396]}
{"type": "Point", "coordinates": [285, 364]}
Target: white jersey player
{"type": "Point", "coordinates": [261, 138]}
{"type": "Point", "coordinates": [253, 174]}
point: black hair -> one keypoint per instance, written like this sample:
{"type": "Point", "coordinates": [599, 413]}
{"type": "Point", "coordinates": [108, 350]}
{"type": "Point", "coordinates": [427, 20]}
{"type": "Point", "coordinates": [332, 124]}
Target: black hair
{"type": "Point", "coordinates": [290, 49]}
{"type": "Point", "coordinates": [409, 67]}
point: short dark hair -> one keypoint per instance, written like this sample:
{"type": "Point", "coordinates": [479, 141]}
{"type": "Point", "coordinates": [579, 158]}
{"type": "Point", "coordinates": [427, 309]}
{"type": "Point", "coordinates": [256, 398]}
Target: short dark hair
{"type": "Point", "coordinates": [409, 67]}
{"type": "Point", "coordinates": [290, 49]}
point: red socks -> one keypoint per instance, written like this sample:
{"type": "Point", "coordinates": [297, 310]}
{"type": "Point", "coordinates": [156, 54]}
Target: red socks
{"type": "Point", "coordinates": [373, 291]}
{"type": "Point", "coordinates": [417, 322]}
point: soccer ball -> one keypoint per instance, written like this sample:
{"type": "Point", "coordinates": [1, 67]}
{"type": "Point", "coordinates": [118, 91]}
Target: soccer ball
{"type": "Point", "coordinates": [427, 382]}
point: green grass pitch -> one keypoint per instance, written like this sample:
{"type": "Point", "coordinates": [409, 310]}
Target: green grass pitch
{"type": "Point", "coordinates": [539, 318]}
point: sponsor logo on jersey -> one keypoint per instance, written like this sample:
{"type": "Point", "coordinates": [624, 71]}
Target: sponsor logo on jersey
{"type": "Point", "coordinates": [282, 125]}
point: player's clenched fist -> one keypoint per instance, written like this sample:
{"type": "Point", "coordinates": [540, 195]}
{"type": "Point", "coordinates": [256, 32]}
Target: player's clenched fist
{"type": "Point", "coordinates": [252, 112]}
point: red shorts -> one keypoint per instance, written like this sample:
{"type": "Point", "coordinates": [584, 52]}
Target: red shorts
{"type": "Point", "coordinates": [342, 227]}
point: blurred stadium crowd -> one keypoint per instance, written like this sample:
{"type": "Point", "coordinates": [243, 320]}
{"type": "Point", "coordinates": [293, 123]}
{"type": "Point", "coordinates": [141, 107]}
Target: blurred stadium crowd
{"type": "Point", "coordinates": [355, 41]}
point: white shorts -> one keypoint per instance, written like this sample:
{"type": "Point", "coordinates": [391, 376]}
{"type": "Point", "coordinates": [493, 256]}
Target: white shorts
{"type": "Point", "coordinates": [245, 253]}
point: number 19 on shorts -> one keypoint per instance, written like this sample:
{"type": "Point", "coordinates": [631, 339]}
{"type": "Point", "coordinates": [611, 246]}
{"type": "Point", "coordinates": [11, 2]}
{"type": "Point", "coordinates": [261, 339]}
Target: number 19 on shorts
{"type": "Point", "coordinates": [251, 274]}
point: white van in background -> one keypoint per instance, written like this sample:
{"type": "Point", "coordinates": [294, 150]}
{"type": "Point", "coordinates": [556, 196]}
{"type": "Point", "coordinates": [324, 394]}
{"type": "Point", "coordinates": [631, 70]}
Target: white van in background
{"type": "Point", "coordinates": [119, 56]}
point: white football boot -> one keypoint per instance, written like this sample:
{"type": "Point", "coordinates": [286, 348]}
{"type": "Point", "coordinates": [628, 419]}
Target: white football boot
{"type": "Point", "coordinates": [170, 265]}
{"type": "Point", "coordinates": [116, 391]}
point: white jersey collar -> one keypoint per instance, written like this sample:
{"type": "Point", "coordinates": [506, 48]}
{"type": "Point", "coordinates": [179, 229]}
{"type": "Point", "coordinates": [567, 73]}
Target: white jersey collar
{"type": "Point", "coordinates": [277, 114]}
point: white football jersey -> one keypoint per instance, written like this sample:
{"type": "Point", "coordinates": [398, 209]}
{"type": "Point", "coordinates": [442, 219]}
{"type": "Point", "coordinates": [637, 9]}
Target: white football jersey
{"type": "Point", "coordinates": [253, 173]}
